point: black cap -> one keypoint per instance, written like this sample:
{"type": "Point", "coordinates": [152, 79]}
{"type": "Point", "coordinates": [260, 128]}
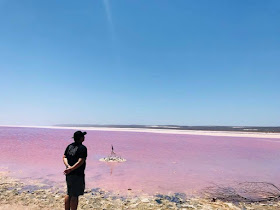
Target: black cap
{"type": "Point", "coordinates": [79, 134]}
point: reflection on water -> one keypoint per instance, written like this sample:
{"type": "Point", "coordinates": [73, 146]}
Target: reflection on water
{"type": "Point", "coordinates": [156, 163]}
{"type": "Point", "coordinates": [111, 165]}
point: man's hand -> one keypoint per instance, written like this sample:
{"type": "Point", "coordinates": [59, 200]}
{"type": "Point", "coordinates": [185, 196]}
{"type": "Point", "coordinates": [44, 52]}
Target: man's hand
{"type": "Point", "coordinates": [74, 167]}
{"type": "Point", "coordinates": [68, 170]}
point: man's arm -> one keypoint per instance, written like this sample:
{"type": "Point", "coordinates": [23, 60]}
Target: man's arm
{"type": "Point", "coordinates": [65, 161]}
{"type": "Point", "coordinates": [75, 166]}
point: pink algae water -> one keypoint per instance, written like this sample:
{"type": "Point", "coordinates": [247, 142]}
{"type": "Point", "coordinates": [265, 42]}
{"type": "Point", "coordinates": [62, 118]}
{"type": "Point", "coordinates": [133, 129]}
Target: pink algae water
{"type": "Point", "coordinates": [156, 163]}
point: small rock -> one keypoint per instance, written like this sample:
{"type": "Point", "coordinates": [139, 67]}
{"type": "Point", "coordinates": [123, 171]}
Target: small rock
{"type": "Point", "coordinates": [230, 205]}
{"type": "Point", "coordinates": [134, 205]}
{"type": "Point", "coordinates": [168, 198]}
{"type": "Point", "coordinates": [145, 200]}
{"type": "Point", "coordinates": [175, 200]}
{"type": "Point", "coordinates": [134, 200]}
{"type": "Point", "coordinates": [159, 196]}
{"type": "Point", "coordinates": [188, 206]}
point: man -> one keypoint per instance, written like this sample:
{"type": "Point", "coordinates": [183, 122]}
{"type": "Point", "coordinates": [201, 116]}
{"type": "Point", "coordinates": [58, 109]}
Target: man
{"type": "Point", "coordinates": [75, 161]}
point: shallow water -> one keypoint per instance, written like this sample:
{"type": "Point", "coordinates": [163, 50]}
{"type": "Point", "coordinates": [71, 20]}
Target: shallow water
{"type": "Point", "coordinates": [156, 163]}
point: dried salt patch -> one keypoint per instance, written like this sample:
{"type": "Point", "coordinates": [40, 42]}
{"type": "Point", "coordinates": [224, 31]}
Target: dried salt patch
{"type": "Point", "coordinates": [113, 157]}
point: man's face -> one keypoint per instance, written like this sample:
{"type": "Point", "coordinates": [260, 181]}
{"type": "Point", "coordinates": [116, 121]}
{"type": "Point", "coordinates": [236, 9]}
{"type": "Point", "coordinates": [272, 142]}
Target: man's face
{"type": "Point", "coordinates": [82, 139]}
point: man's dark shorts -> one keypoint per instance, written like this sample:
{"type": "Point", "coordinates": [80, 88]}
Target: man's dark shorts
{"type": "Point", "coordinates": [75, 185]}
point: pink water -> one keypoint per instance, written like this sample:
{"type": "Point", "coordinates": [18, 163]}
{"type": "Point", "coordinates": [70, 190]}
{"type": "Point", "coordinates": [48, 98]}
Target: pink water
{"type": "Point", "coordinates": [155, 162]}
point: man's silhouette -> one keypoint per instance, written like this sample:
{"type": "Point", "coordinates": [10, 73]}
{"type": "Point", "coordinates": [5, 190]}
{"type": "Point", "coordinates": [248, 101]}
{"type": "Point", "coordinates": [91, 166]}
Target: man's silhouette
{"type": "Point", "coordinates": [74, 159]}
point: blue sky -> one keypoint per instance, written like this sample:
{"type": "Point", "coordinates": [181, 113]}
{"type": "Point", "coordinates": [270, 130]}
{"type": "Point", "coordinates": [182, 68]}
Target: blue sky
{"type": "Point", "coordinates": [186, 62]}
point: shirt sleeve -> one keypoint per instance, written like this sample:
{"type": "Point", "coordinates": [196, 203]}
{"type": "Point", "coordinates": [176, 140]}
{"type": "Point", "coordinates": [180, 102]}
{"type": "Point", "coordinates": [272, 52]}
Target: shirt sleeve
{"type": "Point", "coordinates": [82, 152]}
{"type": "Point", "coordinates": [66, 150]}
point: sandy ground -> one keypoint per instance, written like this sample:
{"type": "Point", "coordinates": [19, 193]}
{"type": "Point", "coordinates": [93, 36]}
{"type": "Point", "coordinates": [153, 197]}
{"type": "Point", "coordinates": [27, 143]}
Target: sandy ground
{"type": "Point", "coordinates": [17, 207]}
{"type": "Point", "coordinates": [14, 196]}
{"type": "Point", "coordinates": [165, 131]}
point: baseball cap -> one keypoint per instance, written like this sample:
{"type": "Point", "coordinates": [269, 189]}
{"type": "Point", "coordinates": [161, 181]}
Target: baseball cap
{"type": "Point", "coordinates": [79, 134]}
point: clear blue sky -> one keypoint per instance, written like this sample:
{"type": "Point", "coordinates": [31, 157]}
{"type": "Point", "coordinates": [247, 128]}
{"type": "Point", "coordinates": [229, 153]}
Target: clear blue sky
{"type": "Point", "coordinates": [187, 62]}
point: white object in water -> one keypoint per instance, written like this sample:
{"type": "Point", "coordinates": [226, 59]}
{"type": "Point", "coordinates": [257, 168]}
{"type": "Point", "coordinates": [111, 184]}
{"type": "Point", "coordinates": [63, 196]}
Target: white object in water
{"type": "Point", "coordinates": [113, 157]}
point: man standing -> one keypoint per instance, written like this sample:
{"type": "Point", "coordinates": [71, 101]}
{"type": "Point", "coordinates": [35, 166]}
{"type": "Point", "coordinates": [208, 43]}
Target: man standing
{"type": "Point", "coordinates": [74, 159]}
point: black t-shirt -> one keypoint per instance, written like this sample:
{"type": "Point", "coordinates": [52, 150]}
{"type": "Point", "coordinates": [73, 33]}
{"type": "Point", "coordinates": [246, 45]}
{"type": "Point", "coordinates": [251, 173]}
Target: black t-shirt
{"type": "Point", "coordinates": [73, 152]}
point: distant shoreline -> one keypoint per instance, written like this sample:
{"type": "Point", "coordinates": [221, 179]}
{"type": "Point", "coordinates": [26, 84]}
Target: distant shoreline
{"type": "Point", "coordinates": [257, 129]}
{"type": "Point", "coordinates": [244, 133]}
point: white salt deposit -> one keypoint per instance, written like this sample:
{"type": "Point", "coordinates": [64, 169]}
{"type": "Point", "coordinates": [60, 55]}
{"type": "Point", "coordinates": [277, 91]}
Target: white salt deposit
{"type": "Point", "coordinates": [113, 157]}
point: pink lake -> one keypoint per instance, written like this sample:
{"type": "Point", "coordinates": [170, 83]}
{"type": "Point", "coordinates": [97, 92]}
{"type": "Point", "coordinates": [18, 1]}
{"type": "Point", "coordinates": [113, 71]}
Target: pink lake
{"type": "Point", "coordinates": [156, 163]}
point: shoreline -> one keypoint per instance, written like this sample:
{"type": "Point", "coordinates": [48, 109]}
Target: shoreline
{"type": "Point", "coordinates": [163, 131]}
{"type": "Point", "coordinates": [14, 194]}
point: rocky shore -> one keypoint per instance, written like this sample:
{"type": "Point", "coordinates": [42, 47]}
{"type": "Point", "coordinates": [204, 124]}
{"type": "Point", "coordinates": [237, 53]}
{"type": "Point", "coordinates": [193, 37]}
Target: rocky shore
{"type": "Point", "coordinates": [14, 194]}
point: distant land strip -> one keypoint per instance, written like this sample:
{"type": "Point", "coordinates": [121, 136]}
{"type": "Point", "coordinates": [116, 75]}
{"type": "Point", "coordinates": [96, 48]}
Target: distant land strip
{"type": "Point", "coordinates": [178, 127]}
